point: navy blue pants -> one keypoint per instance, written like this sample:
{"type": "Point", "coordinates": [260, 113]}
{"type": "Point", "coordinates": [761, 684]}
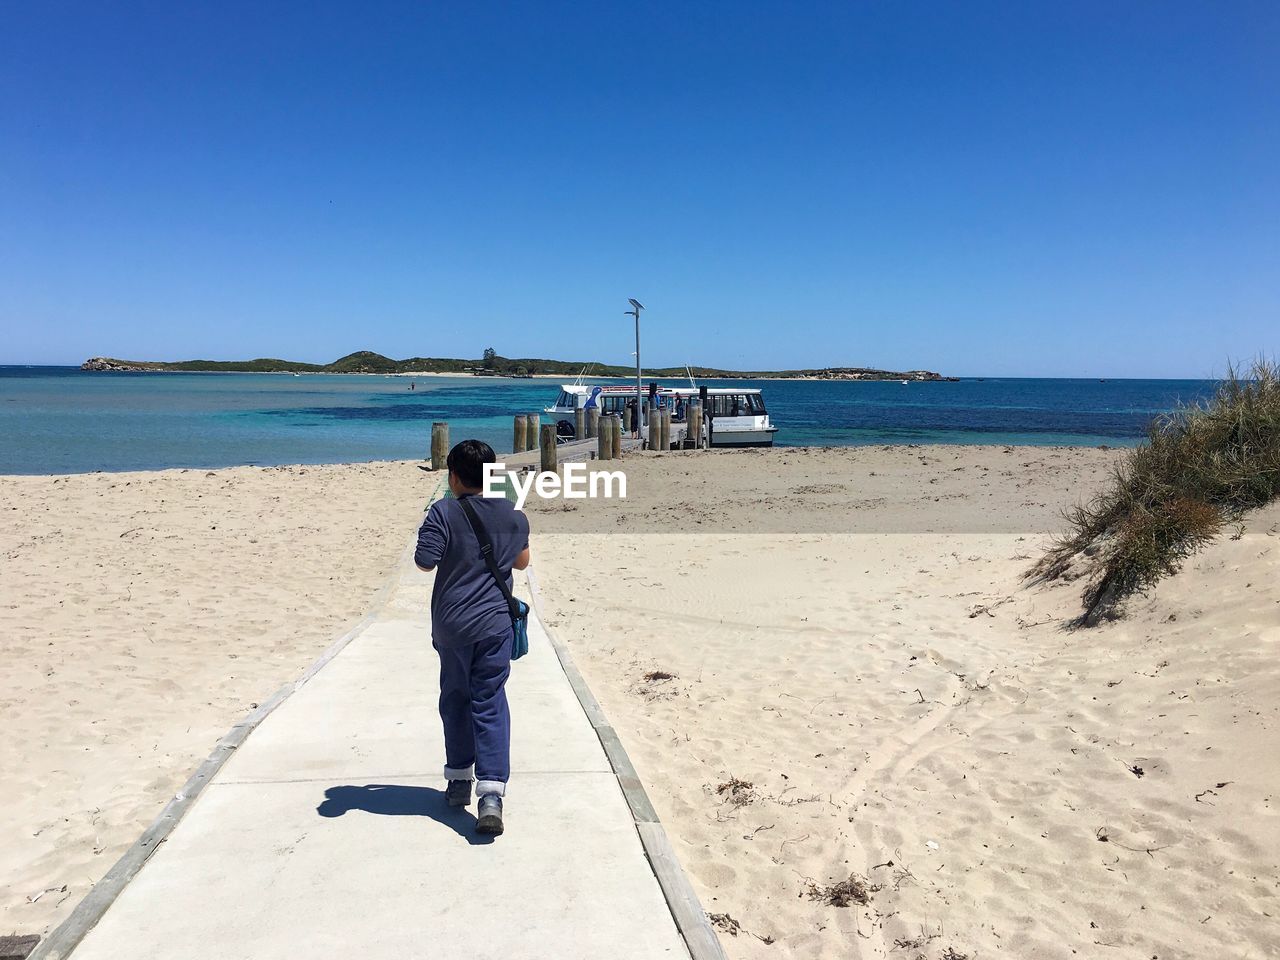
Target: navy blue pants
{"type": "Point", "coordinates": [473, 709]}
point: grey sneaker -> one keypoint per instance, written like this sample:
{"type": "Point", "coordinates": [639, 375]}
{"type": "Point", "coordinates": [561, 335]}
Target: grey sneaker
{"type": "Point", "coordinates": [489, 815]}
{"type": "Point", "coordinates": [458, 793]}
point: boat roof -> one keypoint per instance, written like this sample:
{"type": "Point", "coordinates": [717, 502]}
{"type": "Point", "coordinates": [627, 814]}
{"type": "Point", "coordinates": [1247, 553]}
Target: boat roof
{"type": "Point", "coordinates": [630, 389]}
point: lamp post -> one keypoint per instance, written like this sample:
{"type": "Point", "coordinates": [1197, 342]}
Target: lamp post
{"type": "Point", "coordinates": [636, 307]}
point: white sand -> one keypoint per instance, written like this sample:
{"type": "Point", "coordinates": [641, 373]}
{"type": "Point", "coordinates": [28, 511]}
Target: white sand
{"type": "Point", "coordinates": [141, 615]}
{"type": "Point", "coordinates": [841, 662]}
{"type": "Point", "coordinates": [965, 761]}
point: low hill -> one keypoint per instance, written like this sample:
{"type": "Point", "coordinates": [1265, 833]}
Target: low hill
{"type": "Point", "coordinates": [366, 361]}
{"type": "Point", "coordinates": [261, 365]}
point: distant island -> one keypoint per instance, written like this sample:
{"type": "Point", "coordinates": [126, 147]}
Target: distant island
{"type": "Point", "coordinates": [490, 365]}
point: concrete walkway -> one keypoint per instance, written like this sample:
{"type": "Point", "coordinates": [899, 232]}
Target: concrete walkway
{"type": "Point", "coordinates": [326, 833]}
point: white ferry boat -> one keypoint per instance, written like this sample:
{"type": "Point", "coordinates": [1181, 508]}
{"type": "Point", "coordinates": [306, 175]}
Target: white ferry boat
{"type": "Point", "coordinates": [734, 416]}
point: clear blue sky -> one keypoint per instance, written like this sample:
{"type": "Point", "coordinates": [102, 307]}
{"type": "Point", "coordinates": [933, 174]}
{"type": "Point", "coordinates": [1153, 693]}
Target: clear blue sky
{"type": "Point", "coordinates": [1011, 188]}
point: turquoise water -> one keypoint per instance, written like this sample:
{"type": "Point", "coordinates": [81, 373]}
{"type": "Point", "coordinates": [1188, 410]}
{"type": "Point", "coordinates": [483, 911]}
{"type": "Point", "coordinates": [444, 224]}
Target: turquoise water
{"type": "Point", "coordinates": [63, 420]}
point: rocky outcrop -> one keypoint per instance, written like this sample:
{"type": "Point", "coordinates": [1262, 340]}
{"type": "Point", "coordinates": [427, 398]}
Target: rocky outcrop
{"type": "Point", "coordinates": [106, 364]}
{"type": "Point", "coordinates": [861, 373]}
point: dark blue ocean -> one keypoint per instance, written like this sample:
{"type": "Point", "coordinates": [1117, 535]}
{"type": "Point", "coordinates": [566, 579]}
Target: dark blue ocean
{"type": "Point", "coordinates": [62, 420]}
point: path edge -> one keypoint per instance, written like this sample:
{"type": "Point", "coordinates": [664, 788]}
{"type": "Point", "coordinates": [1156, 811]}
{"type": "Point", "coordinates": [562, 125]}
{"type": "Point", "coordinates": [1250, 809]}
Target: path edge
{"type": "Point", "coordinates": [686, 909]}
{"type": "Point", "coordinates": [67, 935]}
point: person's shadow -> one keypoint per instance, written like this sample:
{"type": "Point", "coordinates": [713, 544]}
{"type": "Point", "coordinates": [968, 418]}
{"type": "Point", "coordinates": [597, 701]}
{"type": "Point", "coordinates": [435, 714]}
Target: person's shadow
{"type": "Point", "coordinates": [396, 800]}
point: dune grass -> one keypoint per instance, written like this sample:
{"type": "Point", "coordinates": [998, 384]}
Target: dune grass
{"type": "Point", "coordinates": [1202, 467]}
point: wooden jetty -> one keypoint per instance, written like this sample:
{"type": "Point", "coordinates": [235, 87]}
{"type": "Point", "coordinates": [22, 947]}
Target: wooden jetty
{"type": "Point", "coordinates": [569, 451]}
{"type": "Point", "coordinates": [536, 444]}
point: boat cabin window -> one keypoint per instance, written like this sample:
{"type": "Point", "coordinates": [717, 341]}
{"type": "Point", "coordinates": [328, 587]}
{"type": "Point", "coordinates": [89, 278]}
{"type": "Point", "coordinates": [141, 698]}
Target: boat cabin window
{"type": "Point", "coordinates": [736, 405]}
{"type": "Point", "coordinates": [567, 399]}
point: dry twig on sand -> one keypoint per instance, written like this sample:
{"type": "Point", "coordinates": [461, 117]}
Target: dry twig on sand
{"type": "Point", "coordinates": [737, 792]}
{"type": "Point", "coordinates": [855, 889]}
{"type": "Point", "coordinates": [722, 921]}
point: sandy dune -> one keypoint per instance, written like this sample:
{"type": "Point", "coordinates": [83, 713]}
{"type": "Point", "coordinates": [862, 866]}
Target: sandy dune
{"type": "Point", "coordinates": [892, 706]}
{"type": "Point", "coordinates": [141, 615]}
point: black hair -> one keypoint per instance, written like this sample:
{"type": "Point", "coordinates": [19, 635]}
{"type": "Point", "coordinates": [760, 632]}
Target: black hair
{"type": "Point", "coordinates": [466, 462]}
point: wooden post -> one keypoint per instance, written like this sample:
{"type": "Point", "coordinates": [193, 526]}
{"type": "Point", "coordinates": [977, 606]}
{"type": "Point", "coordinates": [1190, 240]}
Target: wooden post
{"type": "Point", "coordinates": [548, 448]}
{"type": "Point", "coordinates": [532, 422]}
{"type": "Point", "coordinates": [604, 444]}
{"type": "Point", "coordinates": [695, 424]}
{"type": "Point", "coordinates": [593, 422]}
{"type": "Point", "coordinates": [652, 443]}
{"type": "Point", "coordinates": [665, 415]}
{"type": "Point", "coordinates": [518, 443]}
{"type": "Point", "coordinates": [615, 431]}
{"type": "Point", "coordinates": [439, 445]}
{"type": "Point", "coordinates": [707, 415]}
{"type": "Point", "coordinates": [579, 424]}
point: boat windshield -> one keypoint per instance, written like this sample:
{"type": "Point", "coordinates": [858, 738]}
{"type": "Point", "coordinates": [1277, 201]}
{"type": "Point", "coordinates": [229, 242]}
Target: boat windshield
{"type": "Point", "coordinates": [566, 399]}
{"type": "Point", "coordinates": [736, 405]}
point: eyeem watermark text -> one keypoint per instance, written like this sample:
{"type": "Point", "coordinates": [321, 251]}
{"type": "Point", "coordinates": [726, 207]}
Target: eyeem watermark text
{"type": "Point", "coordinates": [576, 484]}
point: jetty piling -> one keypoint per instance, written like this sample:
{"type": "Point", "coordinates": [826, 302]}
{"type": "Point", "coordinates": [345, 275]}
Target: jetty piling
{"type": "Point", "coordinates": [604, 443]}
{"type": "Point", "coordinates": [579, 424]}
{"type": "Point", "coordinates": [615, 437]}
{"type": "Point", "coordinates": [518, 443]}
{"type": "Point", "coordinates": [705, 416]}
{"type": "Point", "coordinates": [593, 422]}
{"type": "Point", "coordinates": [693, 417]}
{"type": "Point", "coordinates": [547, 448]}
{"type": "Point", "coordinates": [653, 424]}
{"type": "Point", "coordinates": [532, 422]}
{"type": "Point", "coordinates": [439, 444]}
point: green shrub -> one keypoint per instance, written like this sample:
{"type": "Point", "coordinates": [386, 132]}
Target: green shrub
{"type": "Point", "coordinates": [1201, 466]}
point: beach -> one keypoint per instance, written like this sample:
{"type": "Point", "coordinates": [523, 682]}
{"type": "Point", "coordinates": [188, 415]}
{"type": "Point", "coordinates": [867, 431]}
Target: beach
{"type": "Point", "coordinates": [866, 690]}
{"type": "Point", "coordinates": [864, 734]}
{"type": "Point", "coordinates": [143, 614]}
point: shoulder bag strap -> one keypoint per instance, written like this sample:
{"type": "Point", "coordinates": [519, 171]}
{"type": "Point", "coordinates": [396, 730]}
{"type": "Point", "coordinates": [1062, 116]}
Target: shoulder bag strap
{"type": "Point", "coordinates": [486, 551]}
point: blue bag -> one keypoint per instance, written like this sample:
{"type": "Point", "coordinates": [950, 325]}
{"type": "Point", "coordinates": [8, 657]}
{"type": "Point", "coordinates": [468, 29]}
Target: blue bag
{"type": "Point", "coordinates": [520, 632]}
{"type": "Point", "coordinates": [518, 609]}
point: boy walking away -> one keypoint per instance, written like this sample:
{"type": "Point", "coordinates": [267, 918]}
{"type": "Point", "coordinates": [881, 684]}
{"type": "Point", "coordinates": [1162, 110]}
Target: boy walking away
{"type": "Point", "coordinates": [471, 629]}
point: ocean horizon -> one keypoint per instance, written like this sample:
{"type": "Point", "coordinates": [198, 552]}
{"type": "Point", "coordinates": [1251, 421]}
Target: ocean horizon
{"type": "Point", "coordinates": [58, 420]}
